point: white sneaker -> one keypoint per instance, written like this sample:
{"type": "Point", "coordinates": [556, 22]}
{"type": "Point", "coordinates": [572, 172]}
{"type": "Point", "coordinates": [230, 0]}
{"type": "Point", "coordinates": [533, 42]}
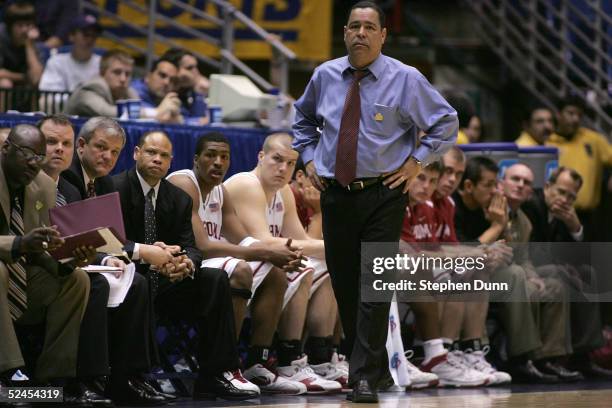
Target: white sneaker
{"type": "Point", "coordinates": [477, 361]}
{"type": "Point", "coordinates": [418, 378]}
{"type": "Point", "coordinates": [237, 380]}
{"type": "Point", "coordinates": [331, 372]}
{"type": "Point", "coordinates": [340, 361]}
{"type": "Point", "coordinates": [452, 371]}
{"type": "Point", "coordinates": [270, 383]}
{"type": "Point", "coordinates": [300, 371]}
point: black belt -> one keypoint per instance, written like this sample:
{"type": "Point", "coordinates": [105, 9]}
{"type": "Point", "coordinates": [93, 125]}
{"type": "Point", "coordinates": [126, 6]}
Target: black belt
{"type": "Point", "coordinates": [355, 185]}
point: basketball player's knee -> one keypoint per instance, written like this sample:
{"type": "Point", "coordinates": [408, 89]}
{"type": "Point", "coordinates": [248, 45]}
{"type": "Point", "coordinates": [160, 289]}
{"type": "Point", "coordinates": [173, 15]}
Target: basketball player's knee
{"type": "Point", "coordinates": [277, 279]}
{"type": "Point", "coordinates": [242, 277]}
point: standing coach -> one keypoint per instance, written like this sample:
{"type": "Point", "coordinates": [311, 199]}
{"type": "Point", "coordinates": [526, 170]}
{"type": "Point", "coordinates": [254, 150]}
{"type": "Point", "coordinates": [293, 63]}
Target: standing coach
{"type": "Point", "coordinates": [358, 150]}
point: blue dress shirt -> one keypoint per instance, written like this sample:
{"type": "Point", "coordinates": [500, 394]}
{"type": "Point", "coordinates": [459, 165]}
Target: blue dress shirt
{"type": "Point", "coordinates": [147, 99]}
{"type": "Point", "coordinates": [396, 102]}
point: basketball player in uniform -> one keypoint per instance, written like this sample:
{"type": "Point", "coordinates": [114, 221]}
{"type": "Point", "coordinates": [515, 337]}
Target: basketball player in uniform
{"type": "Point", "coordinates": [248, 263]}
{"type": "Point", "coordinates": [459, 319]}
{"type": "Point", "coordinates": [420, 227]}
{"type": "Point", "coordinates": [264, 203]}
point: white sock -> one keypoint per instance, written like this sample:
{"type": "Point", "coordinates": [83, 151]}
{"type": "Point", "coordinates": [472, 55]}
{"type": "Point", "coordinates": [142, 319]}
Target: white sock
{"type": "Point", "coordinates": [433, 348]}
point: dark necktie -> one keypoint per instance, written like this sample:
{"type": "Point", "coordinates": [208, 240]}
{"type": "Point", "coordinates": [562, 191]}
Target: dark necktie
{"type": "Point", "coordinates": [150, 235]}
{"type": "Point", "coordinates": [60, 200]}
{"type": "Point", "coordinates": [17, 294]}
{"type": "Point", "coordinates": [346, 152]}
{"type": "Point", "coordinates": [91, 189]}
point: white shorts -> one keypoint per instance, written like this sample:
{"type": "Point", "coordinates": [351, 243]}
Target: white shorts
{"type": "Point", "coordinates": [314, 265]}
{"type": "Point", "coordinates": [260, 269]}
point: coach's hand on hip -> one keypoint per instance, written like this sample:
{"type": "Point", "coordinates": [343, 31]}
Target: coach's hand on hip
{"type": "Point", "coordinates": [403, 175]}
{"type": "Point", "coordinates": [314, 177]}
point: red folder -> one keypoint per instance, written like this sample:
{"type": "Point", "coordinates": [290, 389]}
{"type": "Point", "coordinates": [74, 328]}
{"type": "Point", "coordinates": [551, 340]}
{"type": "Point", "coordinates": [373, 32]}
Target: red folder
{"type": "Point", "coordinates": [96, 212]}
{"type": "Point", "coordinates": [72, 242]}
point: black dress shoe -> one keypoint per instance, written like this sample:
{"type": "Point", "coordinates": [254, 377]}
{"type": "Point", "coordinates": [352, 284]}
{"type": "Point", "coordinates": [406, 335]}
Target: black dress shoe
{"type": "Point", "coordinates": [151, 389]}
{"type": "Point", "coordinates": [220, 387]}
{"type": "Point", "coordinates": [563, 373]}
{"type": "Point", "coordinates": [527, 372]}
{"type": "Point", "coordinates": [362, 393]}
{"type": "Point", "coordinates": [592, 370]}
{"type": "Point", "coordinates": [127, 392]}
{"type": "Point", "coordinates": [81, 390]}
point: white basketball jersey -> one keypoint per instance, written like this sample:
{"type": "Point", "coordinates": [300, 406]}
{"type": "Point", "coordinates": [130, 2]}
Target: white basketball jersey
{"type": "Point", "coordinates": [275, 211]}
{"type": "Point", "coordinates": [210, 210]}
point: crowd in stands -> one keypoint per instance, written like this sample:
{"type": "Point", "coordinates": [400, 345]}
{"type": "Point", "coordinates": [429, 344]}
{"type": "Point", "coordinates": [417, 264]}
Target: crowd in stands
{"type": "Point", "coordinates": [211, 252]}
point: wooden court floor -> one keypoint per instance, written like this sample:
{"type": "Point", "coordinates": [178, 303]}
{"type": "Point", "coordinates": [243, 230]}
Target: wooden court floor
{"type": "Point", "coordinates": [579, 395]}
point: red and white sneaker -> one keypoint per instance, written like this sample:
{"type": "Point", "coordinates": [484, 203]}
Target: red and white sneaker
{"type": "Point", "coordinates": [300, 371]}
{"type": "Point", "coordinates": [452, 371]}
{"type": "Point", "coordinates": [270, 383]}
{"type": "Point", "coordinates": [419, 379]}
{"type": "Point", "coordinates": [331, 372]}
{"type": "Point", "coordinates": [477, 361]}
{"type": "Point", "coordinates": [237, 380]}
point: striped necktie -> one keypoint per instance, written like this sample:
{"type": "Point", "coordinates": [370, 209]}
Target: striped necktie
{"type": "Point", "coordinates": [17, 293]}
{"type": "Point", "coordinates": [346, 151]}
{"type": "Point", "coordinates": [60, 200]}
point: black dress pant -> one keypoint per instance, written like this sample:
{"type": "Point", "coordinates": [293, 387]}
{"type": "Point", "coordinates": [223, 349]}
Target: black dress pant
{"type": "Point", "coordinates": [208, 300]}
{"type": "Point", "coordinates": [374, 214]}
{"type": "Point", "coordinates": [118, 337]}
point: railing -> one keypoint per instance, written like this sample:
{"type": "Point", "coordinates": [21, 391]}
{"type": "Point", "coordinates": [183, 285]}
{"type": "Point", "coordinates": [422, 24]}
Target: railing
{"type": "Point", "coordinates": [229, 15]}
{"type": "Point", "coordinates": [24, 99]}
{"type": "Point", "coordinates": [557, 47]}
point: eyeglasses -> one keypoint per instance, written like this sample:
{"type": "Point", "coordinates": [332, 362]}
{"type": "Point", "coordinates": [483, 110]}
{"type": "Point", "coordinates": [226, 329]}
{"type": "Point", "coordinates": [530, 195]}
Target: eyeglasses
{"type": "Point", "coordinates": [28, 153]}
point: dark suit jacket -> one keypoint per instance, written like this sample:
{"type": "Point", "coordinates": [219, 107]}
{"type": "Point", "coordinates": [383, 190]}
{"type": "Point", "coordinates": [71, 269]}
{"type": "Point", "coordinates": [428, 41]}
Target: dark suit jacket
{"type": "Point", "coordinates": [70, 192]}
{"type": "Point", "coordinates": [172, 213]}
{"type": "Point", "coordinates": [74, 175]}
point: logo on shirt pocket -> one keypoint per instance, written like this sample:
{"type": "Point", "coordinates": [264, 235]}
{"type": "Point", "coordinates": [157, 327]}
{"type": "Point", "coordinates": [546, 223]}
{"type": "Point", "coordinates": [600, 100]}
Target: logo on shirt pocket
{"type": "Point", "coordinates": [383, 120]}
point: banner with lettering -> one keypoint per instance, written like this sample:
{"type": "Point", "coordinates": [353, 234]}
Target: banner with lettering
{"type": "Point", "coordinates": [304, 26]}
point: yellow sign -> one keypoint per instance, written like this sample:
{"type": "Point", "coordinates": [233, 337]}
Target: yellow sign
{"type": "Point", "coordinates": [379, 117]}
{"type": "Point", "coordinates": [304, 26]}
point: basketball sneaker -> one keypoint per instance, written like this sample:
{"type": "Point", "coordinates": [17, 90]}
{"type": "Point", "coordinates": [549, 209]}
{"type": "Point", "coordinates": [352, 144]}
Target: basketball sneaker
{"type": "Point", "coordinates": [300, 371]}
{"type": "Point", "coordinates": [477, 361]}
{"type": "Point", "coordinates": [452, 371]}
{"type": "Point", "coordinates": [419, 379]}
{"type": "Point", "coordinates": [270, 383]}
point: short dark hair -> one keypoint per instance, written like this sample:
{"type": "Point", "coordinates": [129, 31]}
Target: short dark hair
{"type": "Point", "coordinates": [372, 5]}
{"type": "Point", "coordinates": [143, 138]}
{"type": "Point", "coordinates": [299, 165]}
{"type": "Point", "coordinates": [572, 100]}
{"type": "Point", "coordinates": [474, 168]}
{"type": "Point", "coordinates": [554, 175]}
{"type": "Point", "coordinates": [464, 107]}
{"type": "Point", "coordinates": [175, 55]}
{"type": "Point", "coordinates": [159, 61]}
{"type": "Point", "coordinates": [20, 10]}
{"type": "Point", "coordinates": [57, 118]}
{"type": "Point", "coordinates": [210, 137]}
{"type": "Point", "coordinates": [114, 54]}
{"type": "Point", "coordinates": [528, 113]}
{"type": "Point", "coordinates": [435, 165]}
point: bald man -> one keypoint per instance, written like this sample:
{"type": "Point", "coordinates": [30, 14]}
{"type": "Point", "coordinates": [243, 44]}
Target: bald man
{"type": "Point", "coordinates": [548, 294]}
{"type": "Point", "coordinates": [33, 286]}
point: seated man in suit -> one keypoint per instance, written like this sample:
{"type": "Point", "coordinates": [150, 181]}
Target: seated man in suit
{"type": "Point", "coordinates": [99, 144]}
{"type": "Point", "coordinates": [154, 210]}
{"type": "Point", "coordinates": [99, 96]}
{"type": "Point", "coordinates": [130, 320]}
{"type": "Point", "coordinates": [554, 219]}
{"type": "Point", "coordinates": [33, 286]}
